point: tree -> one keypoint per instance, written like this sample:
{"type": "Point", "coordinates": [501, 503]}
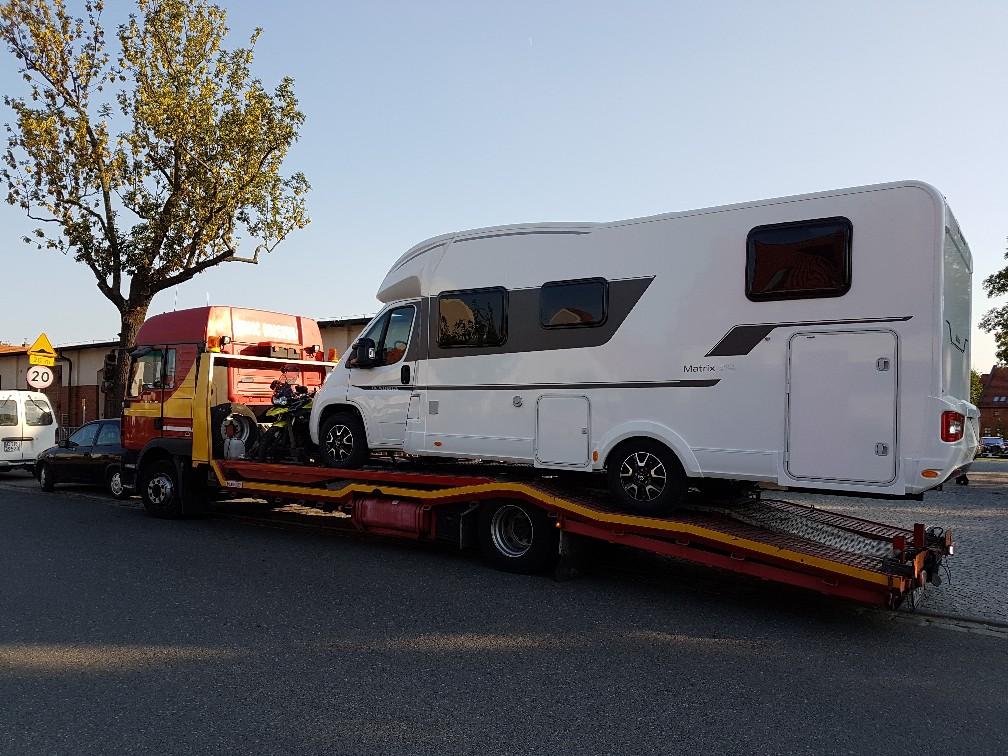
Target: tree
{"type": "Point", "coordinates": [976, 388]}
{"type": "Point", "coordinates": [996, 320]}
{"type": "Point", "coordinates": [150, 166]}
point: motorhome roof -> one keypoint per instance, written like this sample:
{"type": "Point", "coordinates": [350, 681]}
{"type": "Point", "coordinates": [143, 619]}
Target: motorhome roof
{"type": "Point", "coordinates": [586, 228]}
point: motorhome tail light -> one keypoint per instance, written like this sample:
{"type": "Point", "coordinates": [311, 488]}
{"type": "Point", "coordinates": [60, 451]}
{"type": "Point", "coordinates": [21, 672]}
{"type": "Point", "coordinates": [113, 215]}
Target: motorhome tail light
{"type": "Point", "coordinates": [952, 425]}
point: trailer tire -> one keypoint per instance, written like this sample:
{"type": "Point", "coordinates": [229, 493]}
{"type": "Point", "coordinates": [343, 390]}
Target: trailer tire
{"type": "Point", "coordinates": [244, 420]}
{"type": "Point", "coordinates": [517, 537]}
{"type": "Point", "coordinates": [342, 441]}
{"type": "Point", "coordinates": [159, 489]}
{"type": "Point", "coordinates": [646, 477]}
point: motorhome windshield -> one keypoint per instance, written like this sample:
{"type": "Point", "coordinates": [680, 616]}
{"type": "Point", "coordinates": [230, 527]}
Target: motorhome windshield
{"type": "Point", "coordinates": [958, 272]}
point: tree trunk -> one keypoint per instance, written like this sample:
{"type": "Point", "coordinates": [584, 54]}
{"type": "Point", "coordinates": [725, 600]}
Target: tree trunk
{"type": "Point", "coordinates": [133, 313]}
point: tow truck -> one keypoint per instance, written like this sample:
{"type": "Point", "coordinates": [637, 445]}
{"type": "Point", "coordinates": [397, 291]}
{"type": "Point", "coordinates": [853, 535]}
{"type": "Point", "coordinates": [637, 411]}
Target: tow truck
{"type": "Point", "coordinates": [522, 520]}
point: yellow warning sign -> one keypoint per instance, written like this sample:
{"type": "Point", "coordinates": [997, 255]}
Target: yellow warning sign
{"type": "Point", "coordinates": [42, 352]}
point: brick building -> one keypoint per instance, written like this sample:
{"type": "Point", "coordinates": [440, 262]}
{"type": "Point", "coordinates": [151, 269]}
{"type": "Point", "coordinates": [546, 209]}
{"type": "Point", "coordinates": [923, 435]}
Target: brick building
{"type": "Point", "coordinates": [994, 402]}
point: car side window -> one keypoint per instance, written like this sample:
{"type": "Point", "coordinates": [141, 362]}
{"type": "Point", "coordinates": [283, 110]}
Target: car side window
{"type": "Point", "coordinates": [109, 435]}
{"type": "Point", "coordinates": [85, 436]}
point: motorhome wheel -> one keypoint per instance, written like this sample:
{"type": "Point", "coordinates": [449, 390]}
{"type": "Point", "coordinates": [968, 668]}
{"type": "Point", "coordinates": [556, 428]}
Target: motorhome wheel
{"type": "Point", "coordinates": [646, 477]}
{"type": "Point", "coordinates": [517, 537]}
{"type": "Point", "coordinates": [342, 440]}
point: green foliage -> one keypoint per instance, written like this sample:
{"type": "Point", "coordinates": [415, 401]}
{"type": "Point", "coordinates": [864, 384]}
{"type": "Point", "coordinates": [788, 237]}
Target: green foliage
{"type": "Point", "coordinates": [976, 388]}
{"type": "Point", "coordinates": [996, 320]}
{"type": "Point", "coordinates": [150, 163]}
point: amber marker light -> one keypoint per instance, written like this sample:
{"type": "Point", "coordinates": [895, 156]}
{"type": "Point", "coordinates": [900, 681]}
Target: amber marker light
{"type": "Point", "coordinates": [930, 474]}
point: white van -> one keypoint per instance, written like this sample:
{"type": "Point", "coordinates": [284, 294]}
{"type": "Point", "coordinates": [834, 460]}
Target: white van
{"type": "Point", "coordinates": [819, 341]}
{"type": "Point", "coordinates": [27, 427]}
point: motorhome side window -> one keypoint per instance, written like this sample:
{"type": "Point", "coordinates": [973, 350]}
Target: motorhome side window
{"type": "Point", "coordinates": [476, 318]}
{"type": "Point", "coordinates": [569, 304]}
{"type": "Point", "coordinates": [800, 260]}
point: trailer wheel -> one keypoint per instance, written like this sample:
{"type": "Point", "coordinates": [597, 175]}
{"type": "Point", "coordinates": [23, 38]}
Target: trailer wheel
{"type": "Point", "coordinates": [646, 477]}
{"type": "Point", "coordinates": [159, 489]}
{"type": "Point", "coordinates": [342, 441]}
{"type": "Point", "coordinates": [517, 537]}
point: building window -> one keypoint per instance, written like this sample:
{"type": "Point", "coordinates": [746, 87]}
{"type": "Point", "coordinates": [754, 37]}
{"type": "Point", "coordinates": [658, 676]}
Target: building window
{"type": "Point", "coordinates": [801, 260]}
{"type": "Point", "coordinates": [476, 318]}
{"type": "Point", "coordinates": [570, 304]}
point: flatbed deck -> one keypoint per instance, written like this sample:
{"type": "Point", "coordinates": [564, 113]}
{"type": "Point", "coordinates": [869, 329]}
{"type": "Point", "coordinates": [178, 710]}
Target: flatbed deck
{"type": "Point", "coordinates": [828, 552]}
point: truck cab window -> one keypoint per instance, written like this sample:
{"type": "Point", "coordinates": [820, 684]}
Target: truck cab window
{"type": "Point", "coordinates": [146, 373]}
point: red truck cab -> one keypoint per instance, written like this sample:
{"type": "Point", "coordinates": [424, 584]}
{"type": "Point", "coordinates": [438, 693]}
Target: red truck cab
{"type": "Point", "coordinates": [158, 406]}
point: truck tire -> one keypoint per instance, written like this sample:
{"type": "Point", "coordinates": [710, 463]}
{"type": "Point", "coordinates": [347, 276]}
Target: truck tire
{"type": "Point", "coordinates": [159, 489]}
{"type": "Point", "coordinates": [244, 421]}
{"type": "Point", "coordinates": [517, 537]}
{"type": "Point", "coordinates": [342, 441]}
{"type": "Point", "coordinates": [645, 477]}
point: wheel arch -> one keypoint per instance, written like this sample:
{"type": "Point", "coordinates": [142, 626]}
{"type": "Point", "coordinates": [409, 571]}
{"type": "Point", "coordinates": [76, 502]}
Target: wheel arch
{"type": "Point", "coordinates": [656, 432]}
{"type": "Point", "coordinates": [339, 406]}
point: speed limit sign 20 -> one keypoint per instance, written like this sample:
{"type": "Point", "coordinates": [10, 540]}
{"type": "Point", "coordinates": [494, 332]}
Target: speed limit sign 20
{"type": "Point", "coordinates": [40, 377]}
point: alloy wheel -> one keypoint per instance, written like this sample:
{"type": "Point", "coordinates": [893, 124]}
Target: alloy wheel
{"type": "Point", "coordinates": [643, 476]}
{"type": "Point", "coordinates": [339, 443]}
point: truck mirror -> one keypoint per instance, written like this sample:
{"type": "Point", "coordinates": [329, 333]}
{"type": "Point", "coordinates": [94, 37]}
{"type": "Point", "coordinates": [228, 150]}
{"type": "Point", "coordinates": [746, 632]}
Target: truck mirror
{"type": "Point", "coordinates": [367, 353]}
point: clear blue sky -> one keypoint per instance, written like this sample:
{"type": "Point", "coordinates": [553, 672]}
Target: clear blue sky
{"type": "Point", "coordinates": [430, 117]}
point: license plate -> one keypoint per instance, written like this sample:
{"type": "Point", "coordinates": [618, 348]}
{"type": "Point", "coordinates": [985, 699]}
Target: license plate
{"type": "Point", "coordinates": [11, 446]}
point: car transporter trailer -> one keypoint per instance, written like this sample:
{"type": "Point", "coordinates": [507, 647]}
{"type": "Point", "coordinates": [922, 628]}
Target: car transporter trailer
{"type": "Point", "coordinates": [526, 519]}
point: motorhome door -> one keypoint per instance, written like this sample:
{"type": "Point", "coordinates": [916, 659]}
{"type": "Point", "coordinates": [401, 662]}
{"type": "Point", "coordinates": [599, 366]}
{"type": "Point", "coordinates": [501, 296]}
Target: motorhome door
{"type": "Point", "coordinates": [842, 406]}
{"type": "Point", "coordinates": [382, 392]}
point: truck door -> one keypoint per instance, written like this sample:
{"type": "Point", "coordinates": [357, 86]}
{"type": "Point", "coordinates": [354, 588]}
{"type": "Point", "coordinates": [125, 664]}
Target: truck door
{"type": "Point", "coordinates": [382, 392]}
{"type": "Point", "coordinates": [142, 415]}
{"type": "Point", "coordinates": [842, 407]}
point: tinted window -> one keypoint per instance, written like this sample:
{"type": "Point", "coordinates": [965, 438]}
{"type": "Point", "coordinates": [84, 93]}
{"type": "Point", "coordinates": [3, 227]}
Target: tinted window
{"type": "Point", "coordinates": [799, 260]}
{"type": "Point", "coordinates": [109, 434]}
{"type": "Point", "coordinates": [563, 304]}
{"type": "Point", "coordinates": [85, 436]}
{"type": "Point", "coordinates": [472, 318]}
{"type": "Point", "coordinates": [8, 412]}
{"type": "Point", "coordinates": [37, 412]}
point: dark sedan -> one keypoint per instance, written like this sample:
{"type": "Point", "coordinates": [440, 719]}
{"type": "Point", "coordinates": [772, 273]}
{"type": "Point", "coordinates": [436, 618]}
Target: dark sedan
{"type": "Point", "coordinates": [91, 455]}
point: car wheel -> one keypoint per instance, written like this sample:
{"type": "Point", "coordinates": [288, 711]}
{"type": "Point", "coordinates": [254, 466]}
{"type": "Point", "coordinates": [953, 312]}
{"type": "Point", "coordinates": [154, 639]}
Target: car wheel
{"type": "Point", "coordinates": [517, 537]}
{"type": "Point", "coordinates": [342, 441]}
{"type": "Point", "coordinates": [114, 484]}
{"type": "Point", "coordinates": [46, 479]}
{"type": "Point", "coordinates": [159, 489]}
{"type": "Point", "coordinates": [646, 477]}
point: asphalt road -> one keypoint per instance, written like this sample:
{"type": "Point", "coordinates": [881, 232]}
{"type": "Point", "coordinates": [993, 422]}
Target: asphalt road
{"type": "Point", "coordinates": [123, 634]}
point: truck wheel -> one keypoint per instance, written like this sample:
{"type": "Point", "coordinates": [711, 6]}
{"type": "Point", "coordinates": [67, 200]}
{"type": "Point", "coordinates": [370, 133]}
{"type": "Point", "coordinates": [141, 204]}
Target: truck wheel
{"type": "Point", "coordinates": [645, 477]}
{"type": "Point", "coordinates": [46, 480]}
{"type": "Point", "coordinates": [342, 441]}
{"type": "Point", "coordinates": [243, 422]}
{"type": "Point", "coordinates": [517, 537]}
{"type": "Point", "coordinates": [114, 484]}
{"type": "Point", "coordinates": [159, 489]}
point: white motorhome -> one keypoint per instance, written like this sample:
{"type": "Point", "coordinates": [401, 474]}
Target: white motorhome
{"type": "Point", "coordinates": [818, 341]}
